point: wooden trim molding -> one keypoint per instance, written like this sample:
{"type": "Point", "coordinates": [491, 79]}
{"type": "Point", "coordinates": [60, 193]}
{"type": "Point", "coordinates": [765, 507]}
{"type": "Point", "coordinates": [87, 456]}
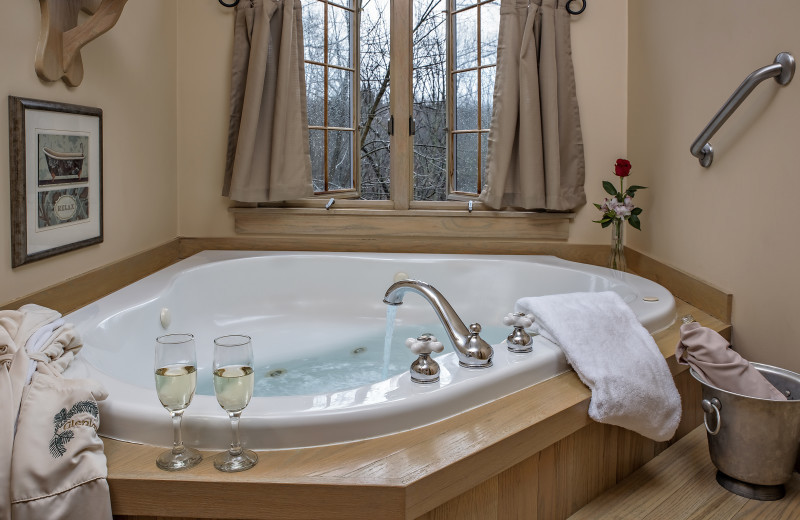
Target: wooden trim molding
{"type": "Point", "coordinates": [83, 289]}
{"type": "Point", "coordinates": [588, 254]}
{"type": "Point", "coordinates": [713, 300]}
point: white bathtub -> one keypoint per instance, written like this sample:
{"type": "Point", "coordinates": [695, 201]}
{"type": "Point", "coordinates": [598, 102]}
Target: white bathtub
{"type": "Point", "coordinates": [317, 321]}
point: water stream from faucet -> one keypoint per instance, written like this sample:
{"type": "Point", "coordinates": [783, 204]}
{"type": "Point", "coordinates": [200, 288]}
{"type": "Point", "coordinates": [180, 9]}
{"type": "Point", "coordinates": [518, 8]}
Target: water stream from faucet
{"type": "Point", "coordinates": [391, 313]}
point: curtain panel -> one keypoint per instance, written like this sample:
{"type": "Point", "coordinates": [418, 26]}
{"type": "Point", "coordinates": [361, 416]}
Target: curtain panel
{"type": "Point", "coordinates": [268, 152]}
{"type": "Point", "coordinates": [535, 158]}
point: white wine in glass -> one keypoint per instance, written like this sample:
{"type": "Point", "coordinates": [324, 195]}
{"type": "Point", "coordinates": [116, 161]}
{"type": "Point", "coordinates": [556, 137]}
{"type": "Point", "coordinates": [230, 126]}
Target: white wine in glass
{"type": "Point", "coordinates": [233, 386]}
{"type": "Point", "coordinates": [176, 380]}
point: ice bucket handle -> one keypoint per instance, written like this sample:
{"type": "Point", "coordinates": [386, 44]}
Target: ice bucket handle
{"type": "Point", "coordinates": [708, 407]}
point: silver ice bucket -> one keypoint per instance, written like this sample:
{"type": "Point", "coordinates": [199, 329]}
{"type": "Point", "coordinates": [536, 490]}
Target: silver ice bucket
{"type": "Point", "coordinates": [754, 442]}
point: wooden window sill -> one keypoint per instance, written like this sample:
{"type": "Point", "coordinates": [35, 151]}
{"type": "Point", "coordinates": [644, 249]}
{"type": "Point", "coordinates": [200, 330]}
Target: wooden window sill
{"type": "Point", "coordinates": [379, 223]}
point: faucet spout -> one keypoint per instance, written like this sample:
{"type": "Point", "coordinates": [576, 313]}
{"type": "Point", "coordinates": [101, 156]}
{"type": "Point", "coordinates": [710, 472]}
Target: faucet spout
{"type": "Point", "coordinates": [471, 349]}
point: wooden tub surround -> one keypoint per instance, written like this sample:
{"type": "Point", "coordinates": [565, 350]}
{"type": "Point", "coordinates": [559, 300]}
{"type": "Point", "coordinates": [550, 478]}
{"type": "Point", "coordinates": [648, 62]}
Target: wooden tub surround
{"type": "Point", "coordinates": [532, 454]}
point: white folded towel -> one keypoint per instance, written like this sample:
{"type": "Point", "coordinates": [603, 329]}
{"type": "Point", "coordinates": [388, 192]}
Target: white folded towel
{"type": "Point", "coordinates": [615, 356]}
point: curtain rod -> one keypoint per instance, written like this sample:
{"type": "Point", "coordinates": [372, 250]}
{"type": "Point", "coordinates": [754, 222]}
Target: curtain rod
{"type": "Point", "coordinates": [568, 8]}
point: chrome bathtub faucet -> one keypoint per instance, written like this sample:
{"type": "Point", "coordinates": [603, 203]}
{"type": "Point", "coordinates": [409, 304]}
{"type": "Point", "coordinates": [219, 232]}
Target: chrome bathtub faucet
{"type": "Point", "coordinates": [519, 341]}
{"type": "Point", "coordinates": [424, 369]}
{"type": "Point", "coordinates": [471, 349]}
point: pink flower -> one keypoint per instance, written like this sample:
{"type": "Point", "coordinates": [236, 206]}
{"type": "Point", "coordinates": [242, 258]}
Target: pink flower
{"type": "Point", "coordinates": [622, 211]}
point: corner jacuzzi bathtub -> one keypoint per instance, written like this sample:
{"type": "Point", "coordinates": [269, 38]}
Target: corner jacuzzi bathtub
{"type": "Point", "coordinates": [318, 326]}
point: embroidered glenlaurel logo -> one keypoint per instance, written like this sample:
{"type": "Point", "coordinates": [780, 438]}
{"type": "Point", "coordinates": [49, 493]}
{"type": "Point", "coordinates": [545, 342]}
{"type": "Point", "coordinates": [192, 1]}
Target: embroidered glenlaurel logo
{"type": "Point", "coordinates": [63, 422]}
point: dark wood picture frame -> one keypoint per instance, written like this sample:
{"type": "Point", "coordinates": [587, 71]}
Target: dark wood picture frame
{"type": "Point", "coordinates": [56, 191]}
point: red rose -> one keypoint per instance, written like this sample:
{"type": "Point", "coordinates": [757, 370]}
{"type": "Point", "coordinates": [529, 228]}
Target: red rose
{"type": "Point", "coordinates": [622, 168]}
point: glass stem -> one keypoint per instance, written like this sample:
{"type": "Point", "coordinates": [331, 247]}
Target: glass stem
{"type": "Point", "coordinates": [236, 445]}
{"type": "Point", "coordinates": [177, 443]}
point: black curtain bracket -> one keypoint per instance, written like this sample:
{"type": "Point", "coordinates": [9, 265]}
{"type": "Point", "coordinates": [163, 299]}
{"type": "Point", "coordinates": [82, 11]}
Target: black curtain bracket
{"type": "Point", "coordinates": [570, 10]}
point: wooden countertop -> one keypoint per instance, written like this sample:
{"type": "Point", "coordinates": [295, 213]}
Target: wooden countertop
{"type": "Point", "coordinates": [680, 484]}
{"type": "Point", "coordinates": [399, 476]}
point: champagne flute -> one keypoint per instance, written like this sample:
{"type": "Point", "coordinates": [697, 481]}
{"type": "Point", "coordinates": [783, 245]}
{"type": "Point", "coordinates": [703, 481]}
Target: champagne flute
{"type": "Point", "coordinates": [176, 379]}
{"type": "Point", "coordinates": [233, 386]}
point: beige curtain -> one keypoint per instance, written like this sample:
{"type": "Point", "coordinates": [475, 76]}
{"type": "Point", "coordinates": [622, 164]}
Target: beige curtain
{"type": "Point", "coordinates": [268, 155]}
{"type": "Point", "coordinates": [535, 146]}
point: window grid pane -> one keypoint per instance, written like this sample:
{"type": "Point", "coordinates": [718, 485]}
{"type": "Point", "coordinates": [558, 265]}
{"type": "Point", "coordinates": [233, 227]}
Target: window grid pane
{"type": "Point", "coordinates": [466, 154]}
{"type": "Point", "coordinates": [340, 160]}
{"type": "Point", "coordinates": [340, 39]}
{"type": "Point", "coordinates": [465, 32]}
{"type": "Point", "coordinates": [328, 52]}
{"type": "Point", "coordinates": [472, 84]}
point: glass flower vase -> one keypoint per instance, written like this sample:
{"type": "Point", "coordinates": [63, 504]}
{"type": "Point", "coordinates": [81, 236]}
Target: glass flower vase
{"type": "Point", "coordinates": [616, 259]}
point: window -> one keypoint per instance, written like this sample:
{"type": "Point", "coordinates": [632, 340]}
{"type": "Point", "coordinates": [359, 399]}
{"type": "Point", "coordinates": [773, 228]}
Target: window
{"type": "Point", "coordinates": [448, 89]}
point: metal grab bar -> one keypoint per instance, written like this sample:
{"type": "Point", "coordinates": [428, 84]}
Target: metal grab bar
{"type": "Point", "coordinates": [782, 69]}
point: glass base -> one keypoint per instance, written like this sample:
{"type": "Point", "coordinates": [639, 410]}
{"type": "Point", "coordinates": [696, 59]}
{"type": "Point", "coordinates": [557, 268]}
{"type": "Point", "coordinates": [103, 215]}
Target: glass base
{"type": "Point", "coordinates": [175, 461]}
{"type": "Point", "coordinates": [232, 463]}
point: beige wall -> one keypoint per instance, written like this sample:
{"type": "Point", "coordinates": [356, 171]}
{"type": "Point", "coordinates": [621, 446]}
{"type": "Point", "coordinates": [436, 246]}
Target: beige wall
{"type": "Point", "coordinates": [599, 52]}
{"type": "Point", "coordinates": [205, 37]}
{"type": "Point", "coordinates": [736, 223]}
{"type": "Point", "coordinates": [599, 44]}
{"type": "Point", "coordinates": [130, 75]}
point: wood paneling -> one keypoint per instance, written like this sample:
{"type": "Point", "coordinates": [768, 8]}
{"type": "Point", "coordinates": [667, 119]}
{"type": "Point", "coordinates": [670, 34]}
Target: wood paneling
{"type": "Point", "coordinates": [560, 479]}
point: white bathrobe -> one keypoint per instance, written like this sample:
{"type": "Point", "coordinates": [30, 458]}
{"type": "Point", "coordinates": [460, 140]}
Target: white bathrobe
{"type": "Point", "coordinates": [51, 459]}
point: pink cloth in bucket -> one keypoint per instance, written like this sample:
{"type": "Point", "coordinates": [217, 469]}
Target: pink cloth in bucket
{"type": "Point", "coordinates": [713, 359]}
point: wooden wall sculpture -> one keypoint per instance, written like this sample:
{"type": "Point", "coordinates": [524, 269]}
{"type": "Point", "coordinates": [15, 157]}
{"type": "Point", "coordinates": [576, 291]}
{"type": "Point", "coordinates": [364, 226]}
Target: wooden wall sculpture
{"type": "Point", "coordinates": [61, 38]}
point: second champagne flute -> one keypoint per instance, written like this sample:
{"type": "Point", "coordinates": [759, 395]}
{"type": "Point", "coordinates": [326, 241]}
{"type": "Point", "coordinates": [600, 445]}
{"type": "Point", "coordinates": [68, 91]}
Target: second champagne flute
{"type": "Point", "coordinates": [233, 386]}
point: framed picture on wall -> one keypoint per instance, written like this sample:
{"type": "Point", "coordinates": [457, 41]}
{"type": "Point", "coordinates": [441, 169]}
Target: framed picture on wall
{"type": "Point", "coordinates": [56, 159]}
